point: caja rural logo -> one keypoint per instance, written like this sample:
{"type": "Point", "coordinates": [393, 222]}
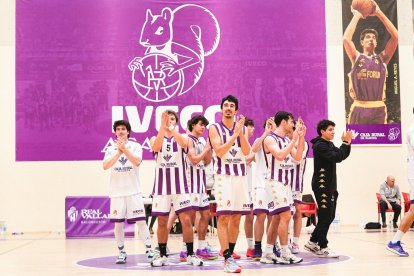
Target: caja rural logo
{"type": "Point", "coordinates": [174, 56]}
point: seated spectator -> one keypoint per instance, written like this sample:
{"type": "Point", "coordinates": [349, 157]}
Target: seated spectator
{"type": "Point", "coordinates": [390, 199]}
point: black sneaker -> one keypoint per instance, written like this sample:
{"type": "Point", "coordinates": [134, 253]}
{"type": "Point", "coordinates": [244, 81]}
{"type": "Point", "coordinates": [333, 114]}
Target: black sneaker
{"type": "Point", "coordinates": [395, 225]}
{"type": "Point", "coordinates": [121, 258]}
{"type": "Point", "coordinates": [384, 225]}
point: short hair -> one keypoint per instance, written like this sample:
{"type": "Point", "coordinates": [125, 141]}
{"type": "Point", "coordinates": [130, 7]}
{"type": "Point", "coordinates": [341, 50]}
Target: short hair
{"type": "Point", "coordinates": [231, 99]}
{"type": "Point", "coordinates": [172, 112]}
{"type": "Point", "coordinates": [248, 122]}
{"type": "Point", "coordinates": [282, 115]}
{"type": "Point", "coordinates": [122, 123]}
{"type": "Point", "coordinates": [323, 125]}
{"type": "Point", "coordinates": [195, 120]}
{"type": "Point", "coordinates": [368, 31]}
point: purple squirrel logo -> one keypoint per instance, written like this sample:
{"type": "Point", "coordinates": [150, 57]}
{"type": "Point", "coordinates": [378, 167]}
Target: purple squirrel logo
{"type": "Point", "coordinates": [233, 152]}
{"type": "Point", "coordinates": [174, 56]}
{"type": "Point", "coordinates": [167, 157]}
{"type": "Point", "coordinates": [122, 160]}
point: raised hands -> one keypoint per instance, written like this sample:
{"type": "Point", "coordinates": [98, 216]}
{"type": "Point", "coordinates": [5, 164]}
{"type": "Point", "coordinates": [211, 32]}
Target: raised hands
{"type": "Point", "coordinates": [239, 124]}
{"type": "Point", "coordinates": [347, 136]}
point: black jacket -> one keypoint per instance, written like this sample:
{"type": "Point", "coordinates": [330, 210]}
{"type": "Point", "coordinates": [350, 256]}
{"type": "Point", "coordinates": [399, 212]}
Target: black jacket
{"type": "Point", "coordinates": [325, 157]}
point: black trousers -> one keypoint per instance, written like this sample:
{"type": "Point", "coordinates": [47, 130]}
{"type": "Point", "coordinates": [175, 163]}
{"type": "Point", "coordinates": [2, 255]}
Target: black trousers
{"type": "Point", "coordinates": [395, 207]}
{"type": "Point", "coordinates": [326, 201]}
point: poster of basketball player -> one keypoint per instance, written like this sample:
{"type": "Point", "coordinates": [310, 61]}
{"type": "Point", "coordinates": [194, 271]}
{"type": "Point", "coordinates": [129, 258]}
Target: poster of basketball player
{"type": "Point", "coordinates": [371, 71]}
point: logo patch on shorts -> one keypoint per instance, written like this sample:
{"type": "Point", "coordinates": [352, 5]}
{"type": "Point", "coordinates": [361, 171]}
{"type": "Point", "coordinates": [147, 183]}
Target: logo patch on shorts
{"type": "Point", "coordinates": [228, 203]}
{"type": "Point", "coordinates": [260, 202]}
{"type": "Point", "coordinates": [114, 212]}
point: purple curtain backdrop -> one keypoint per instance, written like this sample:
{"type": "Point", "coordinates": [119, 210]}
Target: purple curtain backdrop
{"type": "Point", "coordinates": [75, 70]}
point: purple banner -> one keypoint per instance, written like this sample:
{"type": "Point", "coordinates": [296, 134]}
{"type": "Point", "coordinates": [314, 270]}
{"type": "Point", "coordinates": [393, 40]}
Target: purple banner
{"type": "Point", "coordinates": [89, 217]}
{"type": "Point", "coordinates": [82, 64]}
{"type": "Point", "coordinates": [371, 67]}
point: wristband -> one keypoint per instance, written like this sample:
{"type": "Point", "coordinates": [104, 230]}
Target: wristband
{"type": "Point", "coordinates": [345, 142]}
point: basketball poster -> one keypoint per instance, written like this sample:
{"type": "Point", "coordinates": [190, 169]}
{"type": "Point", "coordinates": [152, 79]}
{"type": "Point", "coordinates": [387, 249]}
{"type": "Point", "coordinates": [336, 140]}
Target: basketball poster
{"type": "Point", "coordinates": [371, 71]}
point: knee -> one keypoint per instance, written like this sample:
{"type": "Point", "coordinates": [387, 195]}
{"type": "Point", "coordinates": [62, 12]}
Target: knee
{"type": "Point", "coordinates": [162, 221]}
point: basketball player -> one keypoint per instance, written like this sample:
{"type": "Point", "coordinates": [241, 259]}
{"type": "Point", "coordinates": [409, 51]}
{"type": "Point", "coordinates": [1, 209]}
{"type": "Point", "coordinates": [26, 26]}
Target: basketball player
{"type": "Point", "coordinates": [281, 154]}
{"type": "Point", "coordinates": [230, 146]}
{"type": "Point", "coordinates": [248, 219]}
{"type": "Point", "coordinates": [262, 195]}
{"type": "Point", "coordinates": [369, 70]}
{"type": "Point", "coordinates": [170, 186]}
{"type": "Point", "coordinates": [124, 159]}
{"type": "Point", "coordinates": [199, 155]}
{"type": "Point", "coordinates": [395, 244]}
{"type": "Point", "coordinates": [297, 189]}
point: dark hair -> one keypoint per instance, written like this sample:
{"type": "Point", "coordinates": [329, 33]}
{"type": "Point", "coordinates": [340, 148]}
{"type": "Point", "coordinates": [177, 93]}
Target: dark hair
{"type": "Point", "coordinates": [122, 123]}
{"type": "Point", "coordinates": [368, 31]}
{"type": "Point", "coordinates": [231, 99]}
{"type": "Point", "coordinates": [323, 125]}
{"type": "Point", "coordinates": [282, 115]}
{"type": "Point", "coordinates": [172, 112]}
{"type": "Point", "coordinates": [248, 122]}
{"type": "Point", "coordinates": [195, 120]}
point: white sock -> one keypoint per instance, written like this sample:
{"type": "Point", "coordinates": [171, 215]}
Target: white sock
{"type": "Point", "coordinates": [144, 234]}
{"type": "Point", "coordinates": [119, 235]}
{"type": "Point", "coordinates": [398, 236]}
{"type": "Point", "coordinates": [284, 249]}
{"type": "Point", "coordinates": [296, 240]}
{"type": "Point", "coordinates": [269, 249]}
{"type": "Point", "coordinates": [202, 244]}
{"type": "Point", "coordinates": [250, 243]}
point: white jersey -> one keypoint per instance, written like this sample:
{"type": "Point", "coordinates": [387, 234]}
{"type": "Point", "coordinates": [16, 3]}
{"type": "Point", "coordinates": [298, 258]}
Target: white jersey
{"type": "Point", "coordinates": [410, 152]}
{"type": "Point", "coordinates": [170, 169]}
{"type": "Point", "coordinates": [196, 173]}
{"type": "Point", "coordinates": [282, 171]}
{"type": "Point", "coordinates": [124, 179]}
{"type": "Point", "coordinates": [299, 171]}
{"type": "Point", "coordinates": [260, 175]}
{"type": "Point", "coordinates": [233, 162]}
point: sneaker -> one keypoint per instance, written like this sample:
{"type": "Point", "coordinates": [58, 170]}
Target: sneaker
{"type": "Point", "coordinates": [250, 252]}
{"type": "Point", "coordinates": [231, 266]}
{"type": "Point", "coordinates": [268, 259]}
{"type": "Point", "coordinates": [289, 258]}
{"type": "Point", "coordinates": [327, 253]}
{"type": "Point", "coordinates": [294, 248]}
{"type": "Point", "coordinates": [205, 254]}
{"type": "Point", "coordinates": [384, 225]}
{"type": "Point", "coordinates": [194, 260]}
{"type": "Point", "coordinates": [159, 261]}
{"type": "Point", "coordinates": [234, 255]}
{"type": "Point", "coordinates": [396, 248]}
{"type": "Point", "coordinates": [312, 247]}
{"type": "Point", "coordinates": [121, 258]}
{"type": "Point", "coordinates": [276, 250]}
{"type": "Point", "coordinates": [394, 225]}
{"type": "Point", "coordinates": [183, 256]}
{"type": "Point", "coordinates": [257, 255]}
{"type": "Point", "coordinates": [150, 255]}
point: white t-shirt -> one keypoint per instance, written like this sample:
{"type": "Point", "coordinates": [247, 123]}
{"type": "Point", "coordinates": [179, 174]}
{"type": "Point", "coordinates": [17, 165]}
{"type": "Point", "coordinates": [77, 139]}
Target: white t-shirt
{"type": "Point", "coordinates": [410, 152]}
{"type": "Point", "coordinates": [124, 175]}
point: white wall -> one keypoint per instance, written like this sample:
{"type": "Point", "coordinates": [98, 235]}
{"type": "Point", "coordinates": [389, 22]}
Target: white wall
{"type": "Point", "coordinates": [32, 193]}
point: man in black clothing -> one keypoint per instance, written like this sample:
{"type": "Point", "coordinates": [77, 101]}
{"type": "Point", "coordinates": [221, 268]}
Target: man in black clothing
{"type": "Point", "coordinates": [324, 184]}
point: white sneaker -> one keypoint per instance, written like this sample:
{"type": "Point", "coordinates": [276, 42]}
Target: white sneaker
{"type": "Point", "coordinates": [159, 261]}
{"type": "Point", "coordinates": [121, 258]}
{"type": "Point", "coordinates": [268, 258]}
{"type": "Point", "coordinates": [289, 258]}
{"type": "Point", "coordinates": [312, 247]}
{"type": "Point", "coordinates": [294, 247]}
{"type": "Point", "coordinates": [150, 255]}
{"type": "Point", "coordinates": [327, 253]}
{"type": "Point", "coordinates": [194, 260]}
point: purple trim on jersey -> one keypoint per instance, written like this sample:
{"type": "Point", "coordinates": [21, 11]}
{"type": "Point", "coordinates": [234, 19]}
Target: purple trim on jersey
{"type": "Point", "coordinates": [168, 179]}
{"type": "Point", "coordinates": [116, 220]}
{"type": "Point", "coordinates": [243, 169]}
{"type": "Point", "coordinates": [260, 211]}
{"type": "Point", "coordinates": [279, 210]}
{"type": "Point", "coordinates": [204, 180]}
{"type": "Point", "coordinates": [197, 208]}
{"type": "Point", "coordinates": [189, 208]}
{"type": "Point", "coordinates": [159, 214]}
{"type": "Point", "coordinates": [184, 168]}
{"type": "Point", "coordinates": [297, 177]}
{"type": "Point", "coordinates": [198, 181]}
{"type": "Point", "coordinates": [175, 146]}
{"type": "Point", "coordinates": [236, 171]}
{"type": "Point", "coordinates": [133, 220]}
{"type": "Point", "coordinates": [227, 168]}
{"type": "Point", "coordinates": [177, 181]}
{"type": "Point", "coordinates": [279, 178]}
{"type": "Point", "coordinates": [160, 181]}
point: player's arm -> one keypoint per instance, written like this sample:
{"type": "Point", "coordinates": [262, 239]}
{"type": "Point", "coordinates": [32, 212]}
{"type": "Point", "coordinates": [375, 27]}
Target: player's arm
{"type": "Point", "coordinates": [207, 156]}
{"type": "Point", "coordinates": [244, 140]}
{"type": "Point", "coordinates": [297, 151]}
{"type": "Point", "coordinates": [135, 157]}
{"type": "Point", "coordinates": [181, 139]}
{"type": "Point", "coordinates": [392, 43]}
{"type": "Point", "coordinates": [193, 156]}
{"type": "Point", "coordinates": [110, 159]}
{"type": "Point", "coordinates": [258, 143]}
{"type": "Point", "coordinates": [271, 146]}
{"type": "Point", "coordinates": [250, 158]}
{"type": "Point", "coordinates": [156, 142]}
{"type": "Point", "coordinates": [349, 45]}
{"type": "Point", "coordinates": [219, 148]}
